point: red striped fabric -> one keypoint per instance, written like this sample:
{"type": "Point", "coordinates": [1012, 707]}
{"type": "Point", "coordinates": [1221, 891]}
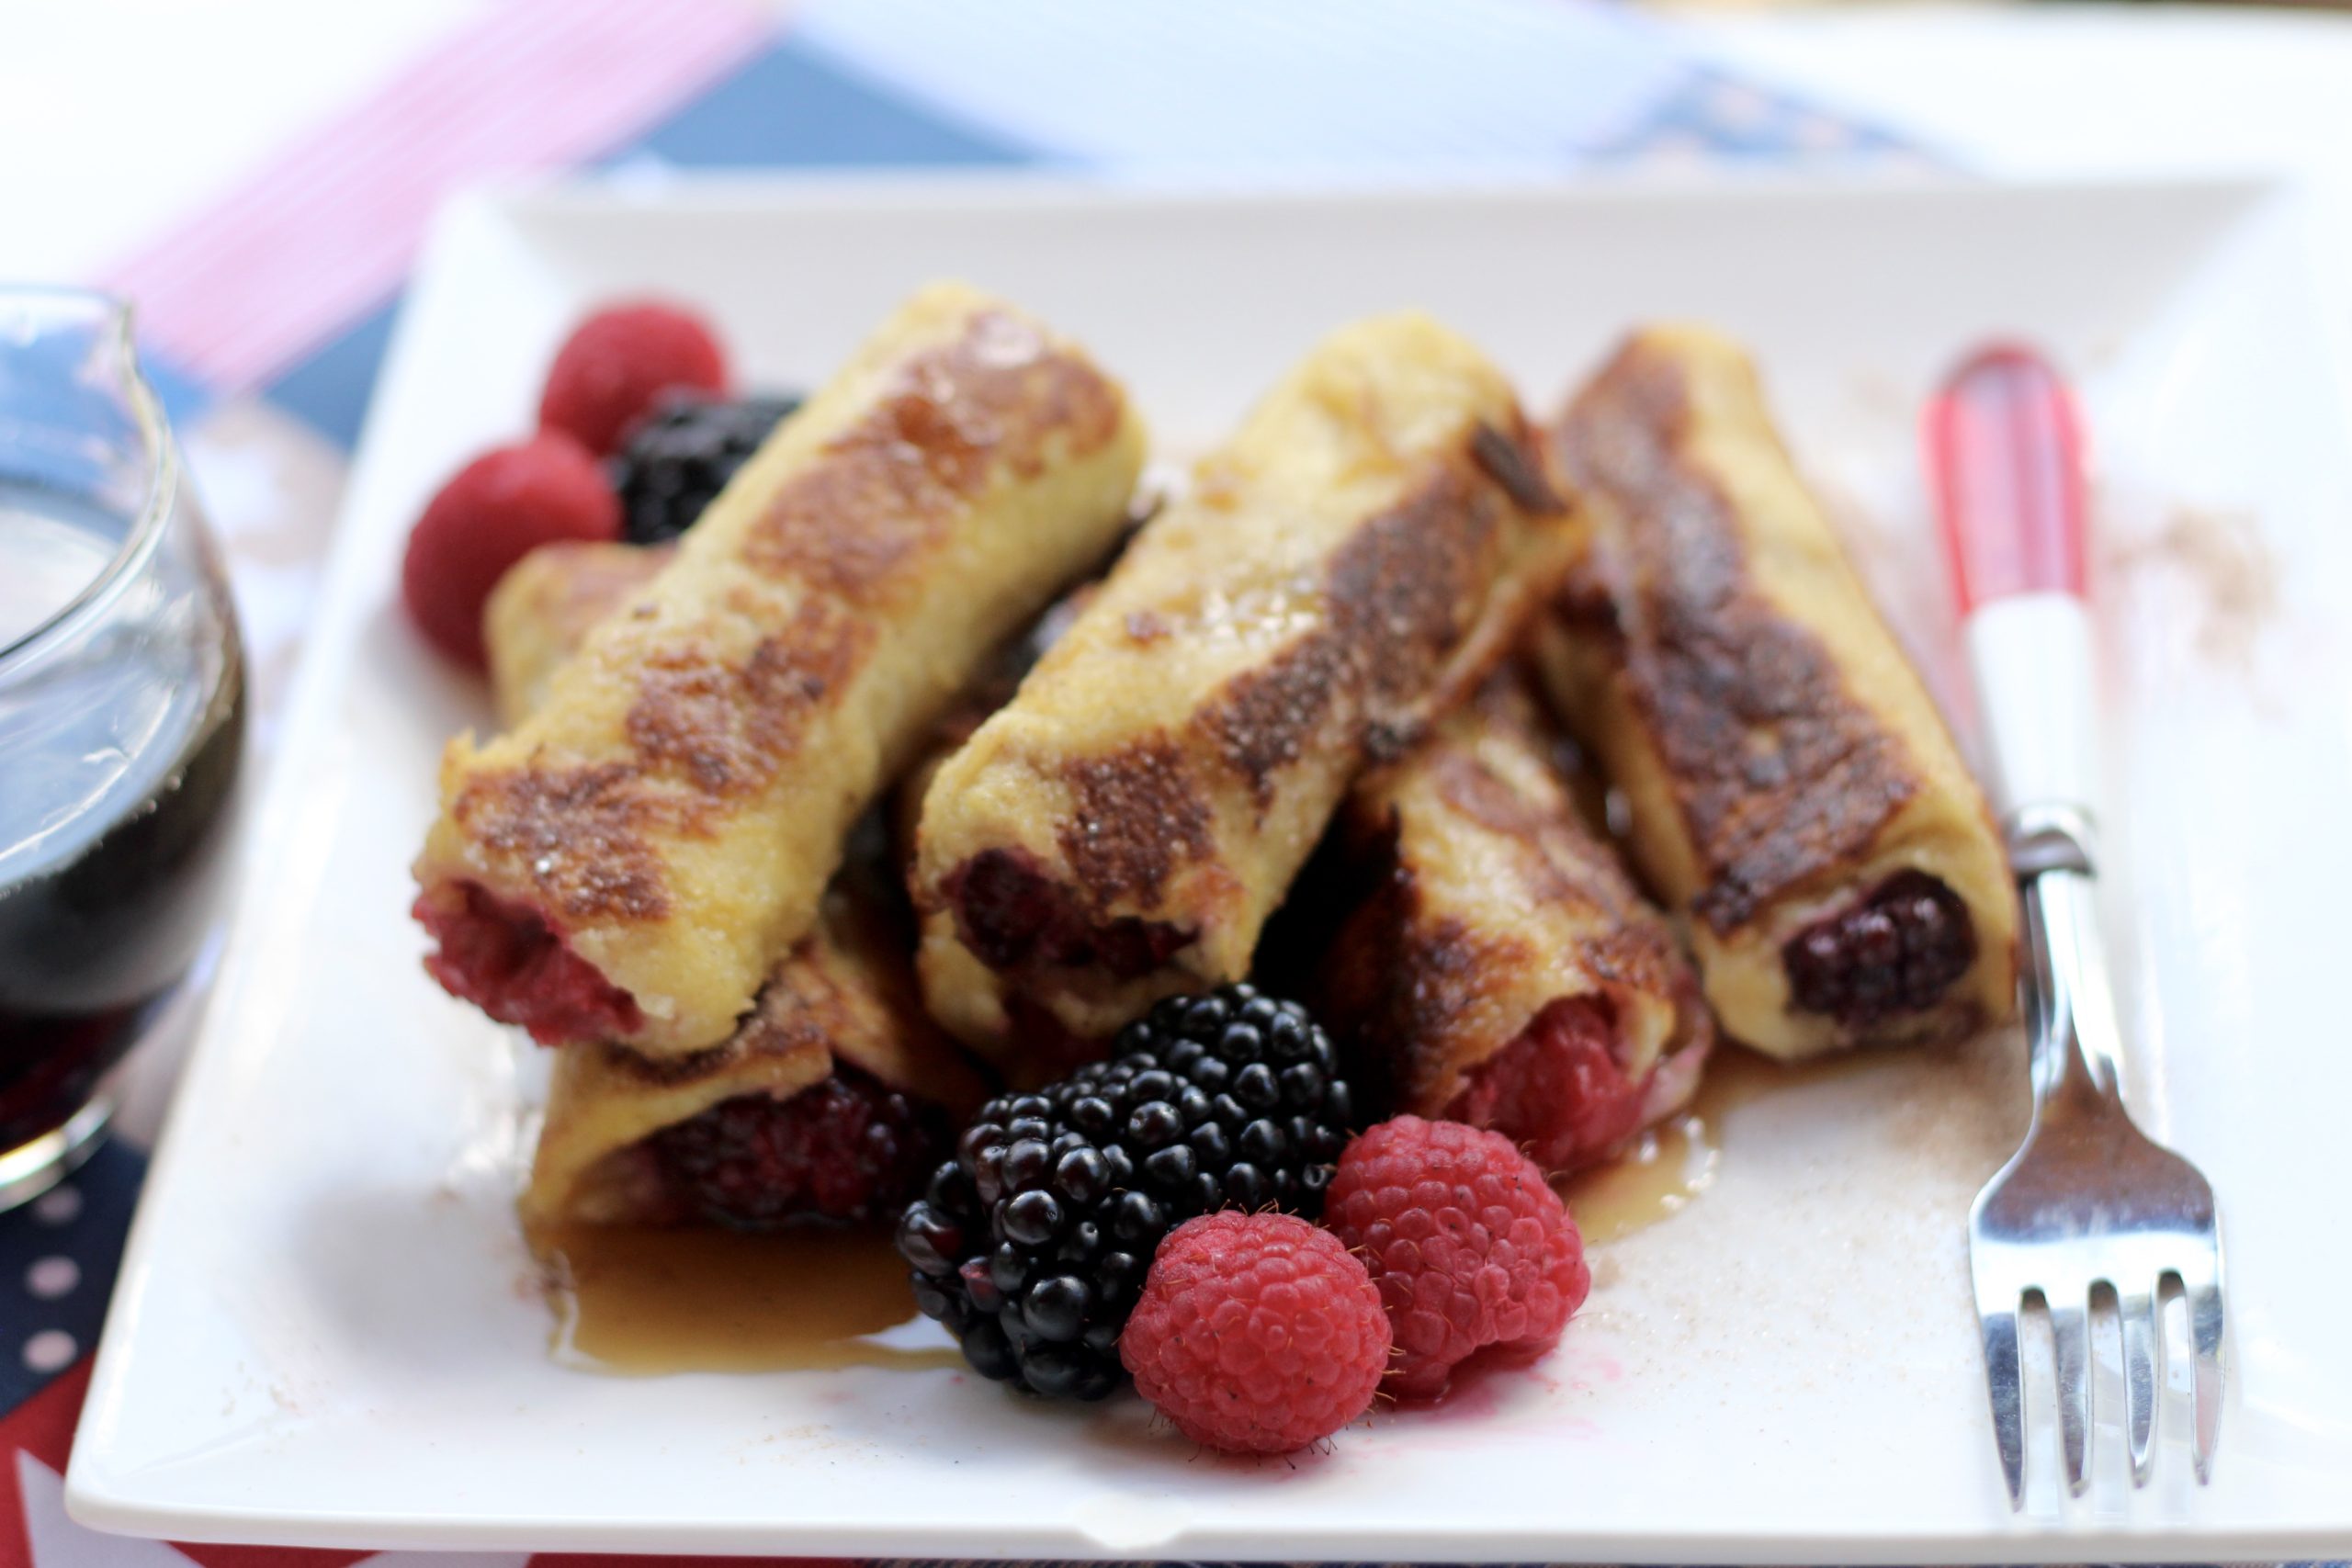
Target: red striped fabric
{"type": "Point", "coordinates": [327, 228]}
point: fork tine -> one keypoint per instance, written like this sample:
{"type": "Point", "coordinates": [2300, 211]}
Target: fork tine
{"type": "Point", "coordinates": [2142, 1343]}
{"type": "Point", "coordinates": [2070, 1334]}
{"type": "Point", "coordinates": [2204, 1295]}
{"type": "Point", "coordinates": [2001, 1377]}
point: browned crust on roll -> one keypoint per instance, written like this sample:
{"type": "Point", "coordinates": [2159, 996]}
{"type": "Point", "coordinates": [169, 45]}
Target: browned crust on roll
{"type": "Point", "coordinates": [917, 456]}
{"type": "Point", "coordinates": [1409, 591]}
{"type": "Point", "coordinates": [1510, 460]}
{"type": "Point", "coordinates": [724, 728]}
{"type": "Point", "coordinates": [1487, 901]}
{"type": "Point", "coordinates": [583, 830]}
{"type": "Point", "coordinates": [1137, 817]}
{"type": "Point", "coordinates": [1778, 774]}
{"type": "Point", "coordinates": [1401, 598]}
{"type": "Point", "coordinates": [1264, 717]}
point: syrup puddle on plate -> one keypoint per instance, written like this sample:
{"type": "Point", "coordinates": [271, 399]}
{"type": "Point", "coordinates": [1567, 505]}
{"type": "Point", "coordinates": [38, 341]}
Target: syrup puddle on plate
{"type": "Point", "coordinates": [1654, 1180]}
{"type": "Point", "coordinates": [643, 1302]}
{"type": "Point", "coordinates": [1677, 1161]}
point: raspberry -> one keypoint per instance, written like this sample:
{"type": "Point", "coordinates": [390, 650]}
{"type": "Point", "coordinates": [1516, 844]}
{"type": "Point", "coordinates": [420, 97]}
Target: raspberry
{"type": "Point", "coordinates": [504, 957]}
{"type": "Point", "coordinates": [492, 513]}
{"type": "Point", "coordinates": [615, 366]}
{"type": "Point", "coordinates": [1557, 1089]}
{"type": "Point", "coordinates": [1469, 1246]}
{"type": "Point", "coordinates": [1256, 1334]}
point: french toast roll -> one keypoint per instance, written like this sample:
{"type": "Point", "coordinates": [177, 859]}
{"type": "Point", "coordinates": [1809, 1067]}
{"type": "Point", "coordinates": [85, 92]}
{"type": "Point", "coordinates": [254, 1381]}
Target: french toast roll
{"type": "Point", "coordinates": [1498, 966]}
{"type": "Point", "coordinates": [1351, 562]}
{"type": "Point", "coordinates": [1792, 790]}
{"type": "Point", "coordinates": [830, 1101]}
{"type": "Point", "coordinates": [626, 865]}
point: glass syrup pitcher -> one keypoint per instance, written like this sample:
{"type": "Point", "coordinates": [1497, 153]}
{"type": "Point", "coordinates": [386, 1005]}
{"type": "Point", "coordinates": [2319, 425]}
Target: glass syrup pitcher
{"type": "Point", "coordinates": [122, 724]}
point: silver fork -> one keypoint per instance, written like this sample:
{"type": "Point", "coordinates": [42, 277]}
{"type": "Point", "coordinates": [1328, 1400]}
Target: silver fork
{"type": "Point", "coordinates": [2089, 1205]}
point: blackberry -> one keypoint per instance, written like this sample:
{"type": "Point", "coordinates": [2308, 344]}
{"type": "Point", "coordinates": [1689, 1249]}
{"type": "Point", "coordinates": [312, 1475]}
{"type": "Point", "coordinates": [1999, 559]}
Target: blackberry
{"type": "Point", "coordinates": [1032, 1244]}
{"type": "Point", "coordinates": [847, 1149]}
{"type": "Point", "coordinates": [677, 458]}
{"type": "Point", "coordinates": [1897, 951]}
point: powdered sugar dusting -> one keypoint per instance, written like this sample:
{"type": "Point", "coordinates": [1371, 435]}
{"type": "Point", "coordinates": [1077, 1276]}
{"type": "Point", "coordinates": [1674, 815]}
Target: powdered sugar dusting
{"type": "Point", "coordinates": [2220, 558]}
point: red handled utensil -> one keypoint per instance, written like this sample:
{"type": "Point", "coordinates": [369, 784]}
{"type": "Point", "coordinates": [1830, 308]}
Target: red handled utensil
{"type": "Point", "coordinates": [2089, 1216]}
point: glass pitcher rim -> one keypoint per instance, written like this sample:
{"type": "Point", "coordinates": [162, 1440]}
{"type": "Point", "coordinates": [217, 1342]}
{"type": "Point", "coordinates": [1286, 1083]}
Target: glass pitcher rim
{"type": "Point", "coordinates": [140, 540]}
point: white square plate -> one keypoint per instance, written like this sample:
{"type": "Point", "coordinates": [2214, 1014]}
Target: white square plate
{"type": "Point", "coordinates": [324, 1333]}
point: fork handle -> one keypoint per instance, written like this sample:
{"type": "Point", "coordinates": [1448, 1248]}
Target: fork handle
{"type": "Point", "coordinates": [2005, 451]}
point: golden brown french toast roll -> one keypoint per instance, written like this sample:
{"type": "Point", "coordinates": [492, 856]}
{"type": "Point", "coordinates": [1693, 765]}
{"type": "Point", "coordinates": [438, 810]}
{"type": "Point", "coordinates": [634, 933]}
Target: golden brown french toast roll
{"type": "Point", "coordinates": [1498, 966]}
{"type": "Point", "coordinates": [829, 1103]}
{"type": "Point", "coordinates": [1349, 564]}
{"type": "Point", "coordinates": [1793, 791]}
{"type": "Point", "coordinates": [627, 863]}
